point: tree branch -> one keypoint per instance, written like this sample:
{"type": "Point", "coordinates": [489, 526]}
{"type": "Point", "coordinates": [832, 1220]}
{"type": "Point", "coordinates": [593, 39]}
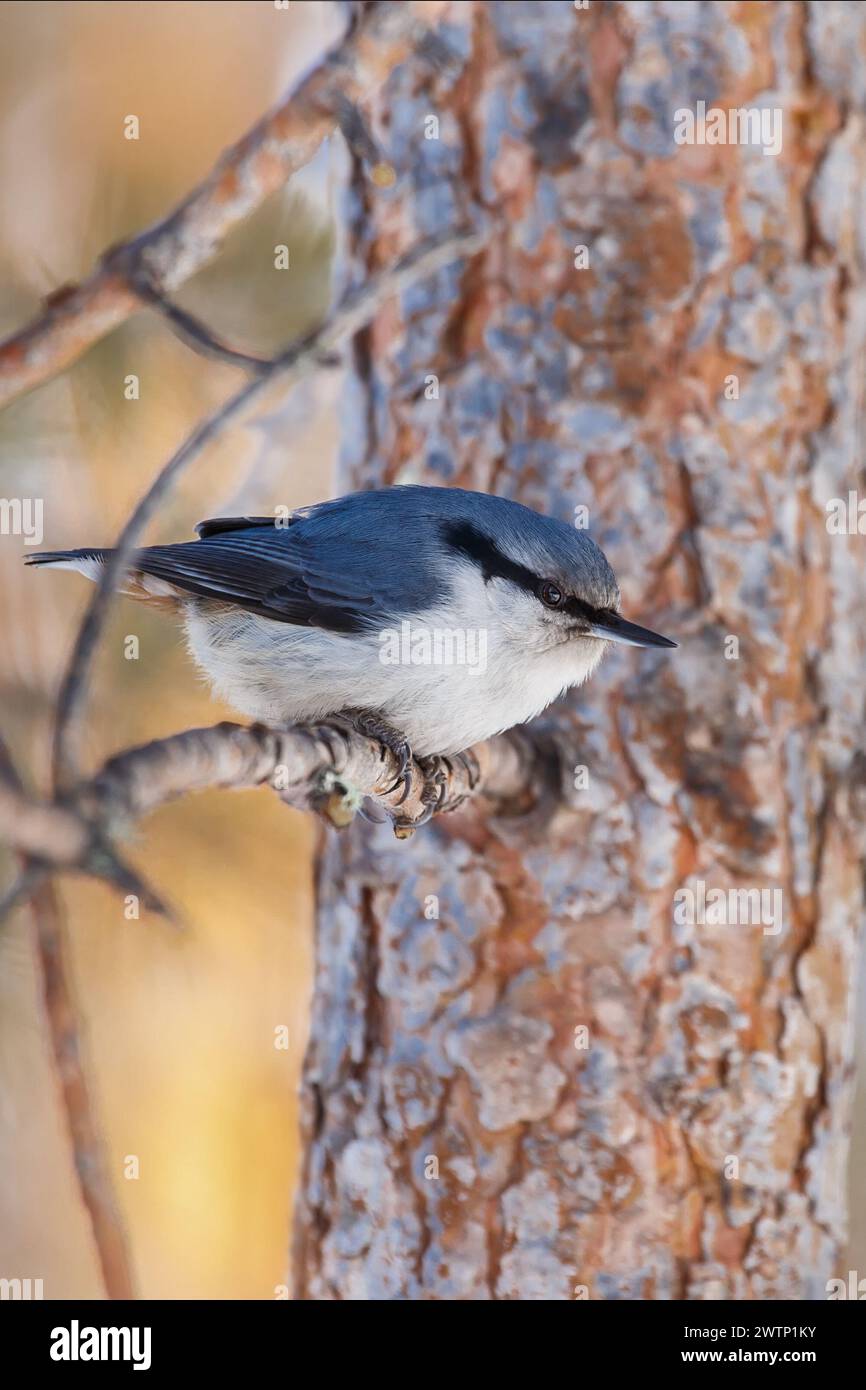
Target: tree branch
{"type": "Point", "coordinates": [172, 250]}
{"type": "Point", "coordinates": [325, 768]}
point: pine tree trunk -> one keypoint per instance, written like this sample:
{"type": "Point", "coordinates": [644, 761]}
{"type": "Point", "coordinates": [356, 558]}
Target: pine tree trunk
{"type": "Point", "coordinates": [566, 1084]}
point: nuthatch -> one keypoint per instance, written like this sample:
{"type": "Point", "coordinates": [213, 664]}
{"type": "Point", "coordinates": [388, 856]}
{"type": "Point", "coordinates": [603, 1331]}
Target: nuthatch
{"type": "Point", "coordinates": [430, 618]}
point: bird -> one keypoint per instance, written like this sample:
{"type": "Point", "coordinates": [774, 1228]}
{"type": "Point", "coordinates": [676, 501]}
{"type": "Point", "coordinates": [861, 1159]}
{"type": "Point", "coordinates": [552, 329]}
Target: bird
{"type": "Point", "coordinates": [429, 618]}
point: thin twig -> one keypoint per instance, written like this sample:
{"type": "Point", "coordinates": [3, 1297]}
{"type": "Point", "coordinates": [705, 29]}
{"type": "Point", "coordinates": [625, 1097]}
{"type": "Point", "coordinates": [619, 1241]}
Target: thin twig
{"type": "Point", "coordinates": [286, 139]}
{"type": "Point", "coordinates": [88, 1148]}
{"type": "Point", "coordinates": [21, 890]}
{"type": "Point", "coordinates": [39, 823]}
{"type": "Point", "coordinates": [197, 335]}
{"type": "Point", "coordinates": [194, 333]}
{"type": "Point", "coordinates": [91, 1166]}
{"type": "Point", "coordinates": [355, 308]}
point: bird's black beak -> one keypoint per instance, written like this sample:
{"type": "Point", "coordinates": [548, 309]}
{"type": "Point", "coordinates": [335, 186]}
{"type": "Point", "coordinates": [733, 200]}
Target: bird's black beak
{"type": "Point", "coordinates": [613, 628]}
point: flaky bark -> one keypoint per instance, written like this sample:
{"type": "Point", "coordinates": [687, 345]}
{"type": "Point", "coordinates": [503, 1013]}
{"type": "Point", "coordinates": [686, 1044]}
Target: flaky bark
{"type": "Point", "coordinates": [697, 1146]}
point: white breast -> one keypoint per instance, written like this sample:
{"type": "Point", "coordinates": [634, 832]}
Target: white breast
{"type": "Point", "coordinates": [443, 683]}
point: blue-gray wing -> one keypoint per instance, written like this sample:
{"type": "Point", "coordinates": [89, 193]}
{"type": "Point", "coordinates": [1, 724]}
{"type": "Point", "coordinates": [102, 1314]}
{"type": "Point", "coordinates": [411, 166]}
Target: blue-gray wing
{"type": "Point", "coordinates": [318, 569]}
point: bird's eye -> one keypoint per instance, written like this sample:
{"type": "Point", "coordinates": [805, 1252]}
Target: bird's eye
{"type": "Point", "coordinates": [552, 595]}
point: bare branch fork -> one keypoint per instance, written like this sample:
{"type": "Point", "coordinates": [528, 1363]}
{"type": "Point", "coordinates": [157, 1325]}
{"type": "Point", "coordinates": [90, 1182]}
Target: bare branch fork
{"type": "Point", "coordinates": [160, 259]}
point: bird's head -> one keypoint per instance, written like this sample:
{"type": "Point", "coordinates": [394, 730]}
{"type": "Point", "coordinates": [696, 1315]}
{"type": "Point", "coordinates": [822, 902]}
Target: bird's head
{"type": "Point", "coordinates": [546, 581]}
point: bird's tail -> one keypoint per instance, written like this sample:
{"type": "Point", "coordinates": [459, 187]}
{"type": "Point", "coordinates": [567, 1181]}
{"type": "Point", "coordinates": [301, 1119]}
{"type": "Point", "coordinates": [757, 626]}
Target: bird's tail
{"type": "Point", "coordinates": [134, 584]}
{"type": "Point", "coordinates": [86, 562]}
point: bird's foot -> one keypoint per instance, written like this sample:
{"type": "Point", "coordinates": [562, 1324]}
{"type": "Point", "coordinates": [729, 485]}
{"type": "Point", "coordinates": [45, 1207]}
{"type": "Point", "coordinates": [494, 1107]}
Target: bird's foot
{"type": "Point", "coordinates": [437, 771]}
{"type": "Point", "coordinates": [372, 725]}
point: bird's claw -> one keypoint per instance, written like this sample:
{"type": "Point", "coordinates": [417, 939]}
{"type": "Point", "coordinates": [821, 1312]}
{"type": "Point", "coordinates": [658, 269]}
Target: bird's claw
{"type": "Point", "coordinates": [403, 753]}
{"type": "Point", "coordinates": [374, 726]}
{"type": "Point", "coordinates": [329, 734]}
{"type": "Point", "coordinates": [435, 769]}
{"type": "Point", "coordinates": [436, 772]}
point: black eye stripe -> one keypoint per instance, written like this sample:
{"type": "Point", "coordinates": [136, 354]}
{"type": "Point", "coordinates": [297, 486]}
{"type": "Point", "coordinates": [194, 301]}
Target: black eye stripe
{"type": "Point", "coordinates": [467, 540]}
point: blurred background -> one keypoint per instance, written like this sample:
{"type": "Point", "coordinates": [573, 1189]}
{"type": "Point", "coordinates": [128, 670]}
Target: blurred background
{"type": "Point", "coordinates": [180, 1029]}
